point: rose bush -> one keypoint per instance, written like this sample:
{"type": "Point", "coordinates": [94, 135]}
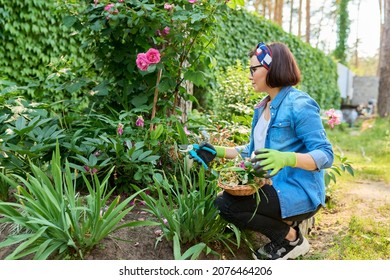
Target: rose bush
{"type": "Point", "coordinates": [144, 47]}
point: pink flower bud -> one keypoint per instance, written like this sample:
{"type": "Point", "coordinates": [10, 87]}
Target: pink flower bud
{"type": "Point", "coordinates": [168, 6]}
{"type": "Point", "coordinates": [140, 121]}
{"type": "Point", "coordinates": [120, 129]}
{"type": "Point", "coordinates": [108, 7]}
{"type": "Point", "coordinates": [166, 30]}
{"type": "Point", "coordinates": [186, 131]}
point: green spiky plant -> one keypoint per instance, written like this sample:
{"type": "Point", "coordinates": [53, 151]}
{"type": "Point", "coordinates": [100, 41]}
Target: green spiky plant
{"type": "Point", "coordinates": [185, 209]}
{"type": "Point", "coordinates": [55, 221]}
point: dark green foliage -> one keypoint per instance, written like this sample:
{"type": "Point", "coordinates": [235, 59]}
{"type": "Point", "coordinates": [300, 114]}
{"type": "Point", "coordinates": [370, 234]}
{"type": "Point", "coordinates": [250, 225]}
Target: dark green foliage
{"type": "Point", "coordinates": [32, 37]}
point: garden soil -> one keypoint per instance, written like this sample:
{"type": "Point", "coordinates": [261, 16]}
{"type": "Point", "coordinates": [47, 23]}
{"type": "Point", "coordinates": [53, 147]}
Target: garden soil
{"type": "Point", "coordinates": [361, 198]}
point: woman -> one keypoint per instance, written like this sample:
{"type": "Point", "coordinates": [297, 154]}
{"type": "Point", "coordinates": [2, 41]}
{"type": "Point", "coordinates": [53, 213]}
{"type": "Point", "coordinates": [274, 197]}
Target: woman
{"type": "Point", "coordinates": [289, 141]}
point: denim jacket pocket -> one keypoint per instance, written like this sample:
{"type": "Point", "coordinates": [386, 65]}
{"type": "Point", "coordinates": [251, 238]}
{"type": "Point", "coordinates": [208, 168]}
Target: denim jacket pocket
{"type": "Point", "coordinates": [281, 131]}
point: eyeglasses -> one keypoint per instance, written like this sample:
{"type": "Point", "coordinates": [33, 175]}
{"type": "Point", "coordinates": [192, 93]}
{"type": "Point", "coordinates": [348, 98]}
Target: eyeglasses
{"type": "Point", "coordinates": [252, 69]}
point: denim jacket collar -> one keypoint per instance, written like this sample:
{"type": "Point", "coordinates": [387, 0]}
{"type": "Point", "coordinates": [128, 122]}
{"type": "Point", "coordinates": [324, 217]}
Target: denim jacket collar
{"type": "Point", "coordinates": [277, 100]}
{"type": "Point", "coordinates": [280, 96]}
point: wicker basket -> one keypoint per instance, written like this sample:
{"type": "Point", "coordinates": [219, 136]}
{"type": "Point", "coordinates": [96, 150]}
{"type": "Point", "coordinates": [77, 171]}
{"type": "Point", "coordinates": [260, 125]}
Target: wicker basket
{"type": "Point", "coordinates": [239, 190]}
{"type": "Point", "coordinates": [243, 190]}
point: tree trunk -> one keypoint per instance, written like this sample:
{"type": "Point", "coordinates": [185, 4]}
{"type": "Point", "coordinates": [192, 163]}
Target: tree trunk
{"type": "Point", "coordinates": [256, 5]}
{"type": "Point", "coordinates": [384, 68]}
{"type": "Point", "coordinates": [291, 15]}
{"type": "Point", "coordinates": [270, 7]}
{"type": "Point", "coordinates": [308, 21]}
{"type": "Point", "coordinates": [357, 37]}
{"type": "Point", "coordinates": [278, 12]}
{"type": "Point", "coordinates": [300, 19]}
{"type": "Point", "coordinates": [381, 29]}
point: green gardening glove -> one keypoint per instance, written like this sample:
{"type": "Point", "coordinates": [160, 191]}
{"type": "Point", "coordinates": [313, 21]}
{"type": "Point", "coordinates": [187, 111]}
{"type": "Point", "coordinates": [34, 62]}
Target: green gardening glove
{"type": "Point", "coordinates": [267, 159]}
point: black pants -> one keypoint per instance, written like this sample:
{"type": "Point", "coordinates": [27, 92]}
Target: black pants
{"type": "Point", "coordinates": [267, 220]}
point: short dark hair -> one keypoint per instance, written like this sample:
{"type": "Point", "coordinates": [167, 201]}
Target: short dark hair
{"type": "Point", "coordinates": [284, 70]}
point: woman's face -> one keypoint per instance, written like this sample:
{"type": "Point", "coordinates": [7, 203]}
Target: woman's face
{"type": "Point", "coordinates": [258, 75]}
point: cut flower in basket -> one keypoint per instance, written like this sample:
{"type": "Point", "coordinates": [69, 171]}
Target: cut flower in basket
{"type": "Point", "coordinates": [239, 178]}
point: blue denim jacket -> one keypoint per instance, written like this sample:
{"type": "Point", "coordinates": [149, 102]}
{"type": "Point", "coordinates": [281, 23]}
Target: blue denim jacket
{"type": "Point", "coordinates": [295, 126]}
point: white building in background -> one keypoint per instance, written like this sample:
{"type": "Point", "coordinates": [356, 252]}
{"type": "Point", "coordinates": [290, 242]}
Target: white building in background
{"type": "Point", "coordinates": [345, 82]}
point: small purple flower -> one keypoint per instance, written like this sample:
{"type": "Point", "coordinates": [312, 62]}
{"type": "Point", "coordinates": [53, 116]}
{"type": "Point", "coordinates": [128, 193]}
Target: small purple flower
{"type": "Point", "coordinates": [143, 203]}
{"type": "Point", "coordinates": [166, 30]}
{"type": "Point", "coordinates": [120, 129]}
{"type": "Point", "coordinates": [242, 164]}
{"type": "Point", "coordinates": [89, 170]}
{"type": "Point", "coordinates": [140, 121]}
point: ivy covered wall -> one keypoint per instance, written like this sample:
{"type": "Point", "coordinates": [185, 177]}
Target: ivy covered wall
{"type": "Point", "coordinates": [32, 37]}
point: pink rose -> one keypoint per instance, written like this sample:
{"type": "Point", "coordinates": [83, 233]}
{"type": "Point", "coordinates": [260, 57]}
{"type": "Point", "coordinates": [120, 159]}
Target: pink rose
{"type": "Point", "coordinates": [192, 1]}
{"type": "Point", "coordinates": [142, 62]}
{"type": "Point", "coordinates": [153, 56]}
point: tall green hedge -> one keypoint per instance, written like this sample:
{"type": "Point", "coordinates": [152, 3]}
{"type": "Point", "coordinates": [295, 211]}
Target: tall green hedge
{"type": "Point", "coordinates": [239, 33]}
{"type": "Point", "coordinates": [32, 37]}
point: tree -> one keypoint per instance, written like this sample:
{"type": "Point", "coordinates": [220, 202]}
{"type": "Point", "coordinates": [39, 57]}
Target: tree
{"type": "Point", "coordinates": [278, 12]}
{"type": "Point", "coordinates": [308, 21]}
{"type": "Point", "coordinates": [291, 15]}
{"type": "Point", "coordinates": [343, 23]}
{"type": "Point", "coordinates": [300, 19]}
{"type": "Point", "coordinates": [384, 67]}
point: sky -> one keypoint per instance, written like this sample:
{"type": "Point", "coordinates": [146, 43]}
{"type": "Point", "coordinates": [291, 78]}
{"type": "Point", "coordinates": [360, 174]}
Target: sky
{"type": "Point", "coordinates": [365, 24]}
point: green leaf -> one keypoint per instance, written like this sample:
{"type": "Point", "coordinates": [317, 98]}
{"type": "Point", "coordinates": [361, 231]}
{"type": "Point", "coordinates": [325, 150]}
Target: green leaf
{"type": "Point", "coordinates": [69, 20]}
{"type": "Point", "coordinates": [139, 100]}
{"type": "Point", "coordinates": [155, 134]}
{"type": "Point", "coordinates": [182, 134]}
{"type": "Point", "coordinates": [197, 77]}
